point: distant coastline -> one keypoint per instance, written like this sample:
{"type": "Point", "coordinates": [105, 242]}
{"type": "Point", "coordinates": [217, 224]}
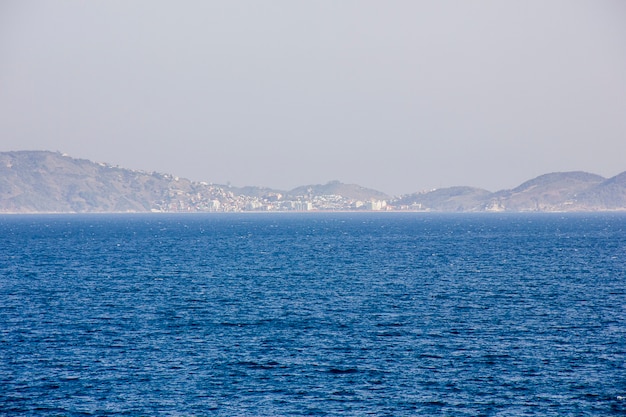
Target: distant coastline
{"type": "Point", "coordinates": [42, 182]}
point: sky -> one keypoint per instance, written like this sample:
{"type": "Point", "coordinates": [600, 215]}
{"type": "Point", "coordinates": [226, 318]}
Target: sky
{"type": "Point", "coordinates": [399, 96]}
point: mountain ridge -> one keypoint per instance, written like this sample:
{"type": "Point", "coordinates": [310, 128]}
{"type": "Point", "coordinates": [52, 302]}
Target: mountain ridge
{"type": "Point", "coordinates": [51, 182]}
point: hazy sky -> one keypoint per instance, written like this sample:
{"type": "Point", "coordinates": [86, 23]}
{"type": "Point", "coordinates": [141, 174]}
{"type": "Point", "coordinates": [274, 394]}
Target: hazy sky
{"type": "Point", "coordinates": [399, 96]}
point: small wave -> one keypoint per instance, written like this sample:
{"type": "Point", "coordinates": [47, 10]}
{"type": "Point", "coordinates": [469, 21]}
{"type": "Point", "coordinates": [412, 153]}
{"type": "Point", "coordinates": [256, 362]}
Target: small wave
{"type": "Point", "coordinates": [338, 371]}
{"type": "Point", "coordinates": [257, 365]}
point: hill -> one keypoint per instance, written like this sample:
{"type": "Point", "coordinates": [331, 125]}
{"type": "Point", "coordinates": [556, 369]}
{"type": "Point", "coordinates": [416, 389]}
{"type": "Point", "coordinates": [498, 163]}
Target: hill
{"type": "Point", "coordinates": [40, 181]}
{"type": "Point", "coordinates": [556, 191]}
{"type": "Point", "coordinates": [607, 195]}
{"type": "Point", "coordinates": [51, 182]}
{"type": "Point", "coordinates": [459, 199]}
{"type": "Point", "coordinates": [352, 191]}
{"type": "Point", "coordinates": [553, 192]}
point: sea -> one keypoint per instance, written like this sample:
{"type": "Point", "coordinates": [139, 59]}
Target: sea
{"type": "Point", "coordinates": [313, 314]}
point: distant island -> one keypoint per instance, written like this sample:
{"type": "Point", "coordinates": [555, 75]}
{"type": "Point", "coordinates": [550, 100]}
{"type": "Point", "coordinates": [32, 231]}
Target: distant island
{"type": "Point", "coordinates": [51, 182]}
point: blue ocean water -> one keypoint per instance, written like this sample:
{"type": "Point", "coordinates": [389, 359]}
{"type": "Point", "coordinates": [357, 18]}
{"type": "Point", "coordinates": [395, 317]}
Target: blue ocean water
{"type": "Point", "coordinates": [313, 314]}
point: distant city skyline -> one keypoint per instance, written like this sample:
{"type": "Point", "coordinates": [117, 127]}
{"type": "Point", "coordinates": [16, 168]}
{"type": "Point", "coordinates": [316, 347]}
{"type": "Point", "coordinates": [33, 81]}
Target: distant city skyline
{"type": "Point", "coordinates": [397, 96]}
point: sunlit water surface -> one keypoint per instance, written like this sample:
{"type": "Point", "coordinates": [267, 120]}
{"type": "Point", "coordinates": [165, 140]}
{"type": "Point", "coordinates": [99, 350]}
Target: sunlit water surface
{"type": "Point", "coordinates": [320, 314]}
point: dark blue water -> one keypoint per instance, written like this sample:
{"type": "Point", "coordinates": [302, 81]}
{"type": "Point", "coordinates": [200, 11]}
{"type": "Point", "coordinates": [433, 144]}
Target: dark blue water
{"type": "Point", "coordinates": [322, 314]}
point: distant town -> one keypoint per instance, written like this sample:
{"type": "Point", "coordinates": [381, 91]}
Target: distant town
{"type": "Point", "coordinates": [221, 199]}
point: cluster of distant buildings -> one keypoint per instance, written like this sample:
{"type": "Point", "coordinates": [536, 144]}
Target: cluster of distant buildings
{"type": "Point", "coordinates": [218, 199]}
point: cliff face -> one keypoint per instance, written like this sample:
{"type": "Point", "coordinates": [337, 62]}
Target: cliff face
{"type": "Point", "coordinates": [40, 182]}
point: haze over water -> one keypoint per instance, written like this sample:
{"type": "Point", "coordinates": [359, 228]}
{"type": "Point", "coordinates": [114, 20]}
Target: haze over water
{"type": "Point", "coordinates": [398, 96]}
